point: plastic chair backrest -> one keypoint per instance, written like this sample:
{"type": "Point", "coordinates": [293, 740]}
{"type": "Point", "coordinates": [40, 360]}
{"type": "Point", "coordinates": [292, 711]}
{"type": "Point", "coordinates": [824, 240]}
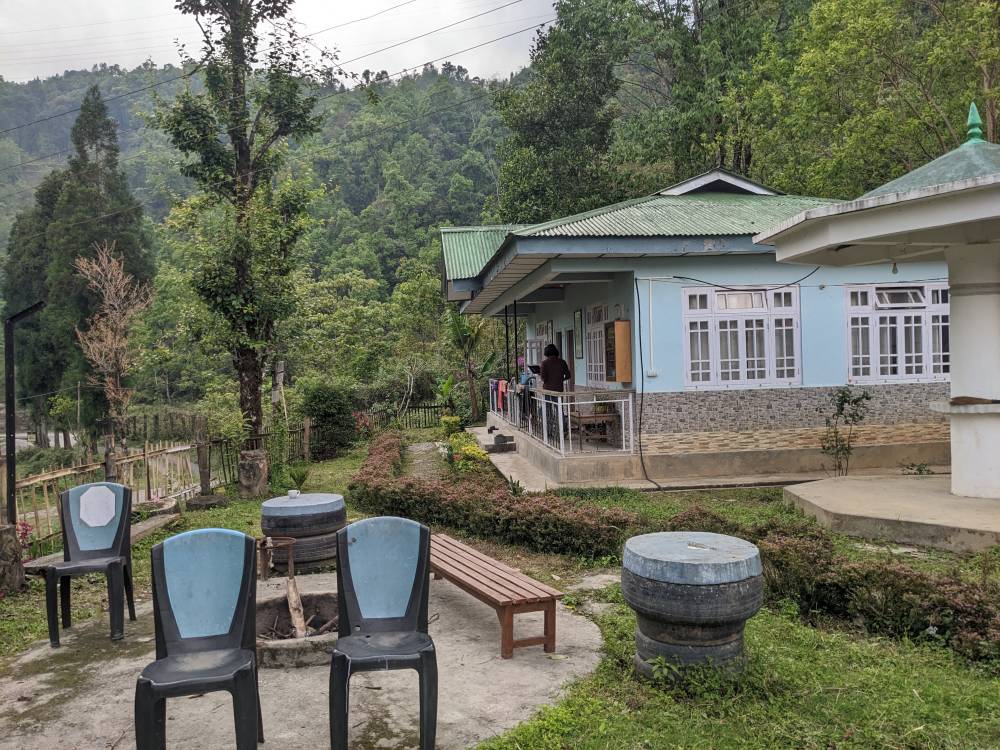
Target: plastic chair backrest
{"type": "Point", "coordinates": [204, 587]}
{"type": "Point", "coordinates": [96, 520]}
{"type": "Point", "coordinates": [382, 568]}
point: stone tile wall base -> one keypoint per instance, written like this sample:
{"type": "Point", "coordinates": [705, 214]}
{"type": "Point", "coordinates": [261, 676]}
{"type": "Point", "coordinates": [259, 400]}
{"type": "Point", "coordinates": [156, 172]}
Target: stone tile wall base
{"type": "Point", "coordinates": [781, 408]}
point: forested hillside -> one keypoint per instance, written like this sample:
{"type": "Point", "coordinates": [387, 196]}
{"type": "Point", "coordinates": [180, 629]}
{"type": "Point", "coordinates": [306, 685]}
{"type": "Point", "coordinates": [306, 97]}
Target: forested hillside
{"type": "Point", "coordinates": [824, 97]}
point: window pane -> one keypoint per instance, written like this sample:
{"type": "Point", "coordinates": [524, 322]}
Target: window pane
{"type": "Point", "coordinates": [888, 345]}
{"type": "Point", "coordinates": [784, 348]}
{"type": "Point", "coordinates": [900, 296]}
{"type": "Point", "coordinates": [729, 350]}
{"type": "Point", "coordinates": [701, 364]}
{"type": "Point", "coordinates": [756, 362]}
{"type": "Point", "coordinates": [940, 353]}
{"type": "Point", "coordinates": [782, 299]}
{"type": "Point", "coordinates": [913, 344]}
{"type": "Point", "coordinates": [861, 359]}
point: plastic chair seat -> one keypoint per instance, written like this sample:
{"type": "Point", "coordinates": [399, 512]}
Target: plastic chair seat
{"type": "Point", "coordinates": [381, 646]}
{"type": "Point", "coordinates": [82, 567]}
{"type": "Point", "coordinates": [202, 667]}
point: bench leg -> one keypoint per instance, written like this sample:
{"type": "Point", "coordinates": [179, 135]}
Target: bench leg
{"type": "Point", "coordinates": [506, 615]}
{"type": "Point", "coordinates": [550, 628]}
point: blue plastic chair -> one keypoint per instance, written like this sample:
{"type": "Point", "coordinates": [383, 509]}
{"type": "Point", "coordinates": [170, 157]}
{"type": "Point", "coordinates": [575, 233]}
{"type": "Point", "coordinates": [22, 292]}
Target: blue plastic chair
{"type": "Point", "coordinates": [96, 522]}
{"type": "Point", "coordinates": [382, 571]}
{"type": "Point", "coordinates": [204, 608]}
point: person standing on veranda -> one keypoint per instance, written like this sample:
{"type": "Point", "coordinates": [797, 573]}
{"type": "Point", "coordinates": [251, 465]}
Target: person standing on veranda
{"type": "Point", "coordinates": [554, 373]}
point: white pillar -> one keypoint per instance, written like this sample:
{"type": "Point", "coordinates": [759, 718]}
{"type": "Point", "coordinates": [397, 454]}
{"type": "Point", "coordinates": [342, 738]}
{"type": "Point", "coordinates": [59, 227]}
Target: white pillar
{"type": "Point", "coordinates": [974, 280]}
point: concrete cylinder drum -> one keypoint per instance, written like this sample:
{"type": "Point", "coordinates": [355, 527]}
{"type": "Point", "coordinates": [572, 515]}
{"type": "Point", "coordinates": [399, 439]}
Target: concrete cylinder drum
{"type": "Point", "coordinates": [312, 520]}
{"type": "Point", "coordinates": [692, 593]}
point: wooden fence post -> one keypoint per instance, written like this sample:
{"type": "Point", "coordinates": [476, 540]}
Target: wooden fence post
{"type": "Point", "coordinates": [110, 467]}
{"type": "Point", "coordinates": [306, 430]}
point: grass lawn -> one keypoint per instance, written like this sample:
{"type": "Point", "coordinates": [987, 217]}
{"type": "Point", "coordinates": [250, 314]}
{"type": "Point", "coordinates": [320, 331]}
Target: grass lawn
{"type": "Point", "coordinates": [803, 688]}
{"type": "Point", "coordinates": [22, 617]}
{"type": "Point", "coordinates": [750, 506]}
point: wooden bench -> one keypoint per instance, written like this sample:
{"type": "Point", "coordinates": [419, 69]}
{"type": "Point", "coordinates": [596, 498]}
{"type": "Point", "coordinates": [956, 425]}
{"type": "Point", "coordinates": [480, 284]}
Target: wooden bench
{"type": "Point", "coordinates": [507, 590]}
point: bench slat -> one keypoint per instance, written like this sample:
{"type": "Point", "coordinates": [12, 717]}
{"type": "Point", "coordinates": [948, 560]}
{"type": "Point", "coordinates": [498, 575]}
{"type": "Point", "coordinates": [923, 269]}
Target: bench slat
{"type": "Point", "coordinates": [513, 581]}
{"type": "Point", "coordinates": [448, 565]}
{"type": "Point", "coordinates": [482, 589]}
{"type": "Point", "coordinates": [511, 576]}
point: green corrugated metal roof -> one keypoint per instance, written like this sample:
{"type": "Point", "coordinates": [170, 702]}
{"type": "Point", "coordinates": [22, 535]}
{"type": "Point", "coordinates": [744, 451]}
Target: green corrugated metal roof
{"type": "Point", "coordinates": [699, 213]}
{"type": "Point", "coordinates": [974, 158]}
{"type": "Point", "coordinates": [467, 250]}
{"type": "Point", "coordinates": [689, 215]}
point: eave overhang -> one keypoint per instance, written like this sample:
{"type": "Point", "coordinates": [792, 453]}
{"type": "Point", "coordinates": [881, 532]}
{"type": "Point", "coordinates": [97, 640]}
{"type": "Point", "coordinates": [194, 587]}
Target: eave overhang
{"type": "Point", "coordinates": [914, 225]}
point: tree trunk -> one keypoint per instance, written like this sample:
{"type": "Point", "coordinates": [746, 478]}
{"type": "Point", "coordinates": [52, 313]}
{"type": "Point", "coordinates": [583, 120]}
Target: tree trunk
{"type": "Point", "coordinates": [249, 372]}
{"type": "Point", "coordinates": [252, 465]}
{"type": "Point", "coordinates": [473, 398]}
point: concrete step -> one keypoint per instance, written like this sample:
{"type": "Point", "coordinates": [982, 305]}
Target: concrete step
{"type": "Point", "coordinates": [493, 442]}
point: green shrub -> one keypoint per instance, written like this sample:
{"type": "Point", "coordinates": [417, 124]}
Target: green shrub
{"type": "Point", "coordinates": [482, 504]}
{"type": "Point", "coordinates": [465, 454]}
{"type": "Point", "coordinates": [329, 408]}
{"type": "Point", "coordinates": [299, 475]}
{"type": "Point", "coordinates": [450, 425]}
{"type": "Point", "coordinates": [35, 460]}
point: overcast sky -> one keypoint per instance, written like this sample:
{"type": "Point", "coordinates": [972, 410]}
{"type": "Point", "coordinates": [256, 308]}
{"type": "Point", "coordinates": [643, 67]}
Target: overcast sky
{"type": "Point", "coordinates": [41, 38]}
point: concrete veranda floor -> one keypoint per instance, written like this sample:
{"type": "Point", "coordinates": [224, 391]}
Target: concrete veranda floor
{"type": "Point", "coordinates": [80, 695]}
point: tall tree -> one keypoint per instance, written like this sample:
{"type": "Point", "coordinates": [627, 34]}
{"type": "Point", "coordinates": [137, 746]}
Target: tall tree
{"type": "Point", "coordinates": [554, 161]}
{"type": "Point", "coordinates": [76, 210]}
{"type": "Point", "coordinates": [255, 98]}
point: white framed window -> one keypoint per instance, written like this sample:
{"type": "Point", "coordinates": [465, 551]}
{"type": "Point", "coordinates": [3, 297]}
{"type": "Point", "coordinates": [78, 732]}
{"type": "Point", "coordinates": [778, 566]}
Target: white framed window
{"type": "Point", "coordinates": [898, 333]}
{"type": "Point", "coordinates": [597, 316]}
{"type": "Point", "coordinates": [741, 338]}
{"type": "Point", "coordinates": [533, 349]}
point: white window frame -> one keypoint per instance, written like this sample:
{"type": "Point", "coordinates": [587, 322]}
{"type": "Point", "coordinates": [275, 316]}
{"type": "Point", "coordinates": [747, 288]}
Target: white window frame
{"type": "Point", "coordinates": [770, 312]}
{"type": "Point", "coordinates": [596, 316]}
{"type": "Point", "coordinates": [533, 350]}
{"type": "Point", "coordinates": [915, 359]}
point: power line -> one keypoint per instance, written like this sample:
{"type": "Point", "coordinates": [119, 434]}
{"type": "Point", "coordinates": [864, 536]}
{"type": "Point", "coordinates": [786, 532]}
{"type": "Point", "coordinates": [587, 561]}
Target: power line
{"type": "Point", "coordinates": [187, 75]}
{"type": "Point", "coordinates": [84, 25]}
{"type": "Point", "coordinates": [319, 98]}
{"type": "Point", "coordinates": [308, 154]}
{"type": "Point", "coordinates": [359, 20]}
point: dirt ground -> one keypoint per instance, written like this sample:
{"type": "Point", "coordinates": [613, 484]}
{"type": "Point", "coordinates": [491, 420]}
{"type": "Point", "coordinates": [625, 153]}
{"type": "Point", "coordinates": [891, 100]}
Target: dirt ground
{"type": "Point", "coordinates": [80, 695]}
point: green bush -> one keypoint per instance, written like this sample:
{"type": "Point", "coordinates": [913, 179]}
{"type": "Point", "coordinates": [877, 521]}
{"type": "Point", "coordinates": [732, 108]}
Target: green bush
{"type": "Point", "coordinates": [329, 408]}
{"type": "Point", "coordinates": [35, 460]}
{"type": "Point", "coordinates": [450, 425]}
{"type": "Point", "coordinates": [482, 504]}
{"type": "Point", "coordinates": [464, 453]}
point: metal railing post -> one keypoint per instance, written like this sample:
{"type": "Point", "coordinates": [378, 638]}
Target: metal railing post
{"type": "Point", "coordinates": [545, 419]}
{"type": "Point", "coordinates": [624, 401]}
{"type": "Point", "coordinates": [631, 423]}
{"type": "Point", "coordinates": [559, 417]}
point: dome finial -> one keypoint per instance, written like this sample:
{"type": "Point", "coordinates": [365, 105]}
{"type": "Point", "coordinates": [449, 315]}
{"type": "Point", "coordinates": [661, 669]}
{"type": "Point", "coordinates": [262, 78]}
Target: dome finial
{"type": "Point", "coordinates": [974, 125]}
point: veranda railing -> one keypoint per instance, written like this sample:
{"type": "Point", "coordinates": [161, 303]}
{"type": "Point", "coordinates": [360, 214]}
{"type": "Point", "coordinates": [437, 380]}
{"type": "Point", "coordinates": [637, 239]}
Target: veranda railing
{"type": "Point", "coordinates": [573, 422]}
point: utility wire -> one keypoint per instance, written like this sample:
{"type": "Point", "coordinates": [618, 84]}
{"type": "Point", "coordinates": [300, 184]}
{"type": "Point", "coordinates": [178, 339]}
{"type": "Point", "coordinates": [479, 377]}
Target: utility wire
{"type": "Point", "coordinates": [404, 71]}
{"type": "Point", "coordinates": [307, 154]}
{"type": "Point", "coordinates": [188, 75]}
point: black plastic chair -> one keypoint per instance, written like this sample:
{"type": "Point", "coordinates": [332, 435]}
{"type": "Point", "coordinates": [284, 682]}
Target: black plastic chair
{"type": "Point", "coordinates": [382, 571]}
{"type": "Point", "coordinates": [204, 609]}
{"type": "Point", "coordinates": [96, 522]}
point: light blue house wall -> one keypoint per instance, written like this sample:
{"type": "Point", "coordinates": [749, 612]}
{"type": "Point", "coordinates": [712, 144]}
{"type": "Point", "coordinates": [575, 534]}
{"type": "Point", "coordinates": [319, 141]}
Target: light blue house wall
{"type": "Point", "coordinates": [822, 304]}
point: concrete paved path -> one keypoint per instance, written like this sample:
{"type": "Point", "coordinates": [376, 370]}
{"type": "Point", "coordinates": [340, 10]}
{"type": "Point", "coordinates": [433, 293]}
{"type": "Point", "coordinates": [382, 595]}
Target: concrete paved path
{"type": "Point", "coordinates": [80, 696]}
{"type": "Point", "coordinates": [907, 509]}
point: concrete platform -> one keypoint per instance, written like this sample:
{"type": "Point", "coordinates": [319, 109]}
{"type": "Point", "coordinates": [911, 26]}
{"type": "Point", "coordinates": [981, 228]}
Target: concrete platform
{"type": "Point", "coordinates": [908, 509]}
{"type": "Point", "coordinates": [81, 695]}
{"type": "Point", "coordinates": [692, 460]}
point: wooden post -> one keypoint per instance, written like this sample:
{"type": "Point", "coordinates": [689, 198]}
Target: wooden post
{"type": "Point", "coordinates": [306, 430]}
{"type": "Point", "coordinates": [48, 509]}
{"type": "Point", "coordinates": [145, 458]}
{"type": "Point", "coordinates": [204, 469]}
{"type": "Point", "coordinates": [110, 467]}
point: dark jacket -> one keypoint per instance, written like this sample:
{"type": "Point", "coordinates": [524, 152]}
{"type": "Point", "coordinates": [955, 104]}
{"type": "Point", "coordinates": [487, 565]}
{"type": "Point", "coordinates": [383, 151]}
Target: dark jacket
{"type": "Point", "coordinates": [554, 371]}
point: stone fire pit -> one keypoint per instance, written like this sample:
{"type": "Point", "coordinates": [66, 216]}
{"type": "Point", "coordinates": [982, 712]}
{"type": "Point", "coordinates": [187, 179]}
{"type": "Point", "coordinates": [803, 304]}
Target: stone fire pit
{"type": "Point", "coordinates": [274, 622]}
